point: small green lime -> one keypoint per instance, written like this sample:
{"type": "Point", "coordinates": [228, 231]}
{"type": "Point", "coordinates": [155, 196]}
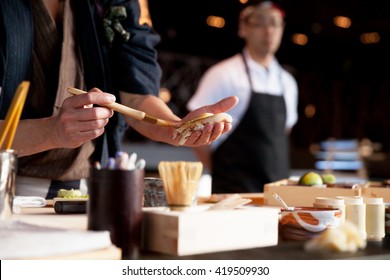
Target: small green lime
{"type": "Point", "coordinates": [310, 179]}
{"type": "Point", "coordinates": [328, 178]}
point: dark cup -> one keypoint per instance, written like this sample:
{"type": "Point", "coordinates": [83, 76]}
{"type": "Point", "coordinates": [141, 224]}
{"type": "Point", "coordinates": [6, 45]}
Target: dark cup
{"type": "Point", "coordinates": [154, 193]}
{"type": "Point", "coordinates": [387, 220]}
{"type": "Point", "coordinates": [115, 204]}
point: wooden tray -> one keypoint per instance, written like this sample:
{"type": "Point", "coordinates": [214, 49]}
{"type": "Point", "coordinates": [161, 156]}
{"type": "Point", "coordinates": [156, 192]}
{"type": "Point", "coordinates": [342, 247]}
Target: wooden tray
{"type": "Point", "coordinates": [203, 231]}
{"type": "Point", "coordinates": [295, 195]}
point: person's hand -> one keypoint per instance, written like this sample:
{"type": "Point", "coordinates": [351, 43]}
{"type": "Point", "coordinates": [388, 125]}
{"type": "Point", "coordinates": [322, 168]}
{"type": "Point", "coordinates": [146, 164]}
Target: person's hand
{"type": "Point", "coordinates": [78, 121]}
{"type": "Point", "coordinates": [210, 132]}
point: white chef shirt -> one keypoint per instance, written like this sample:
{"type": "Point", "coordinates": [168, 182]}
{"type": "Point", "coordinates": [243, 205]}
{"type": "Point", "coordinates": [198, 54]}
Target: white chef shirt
{"type": "Point", "coordinates": [229, 77]}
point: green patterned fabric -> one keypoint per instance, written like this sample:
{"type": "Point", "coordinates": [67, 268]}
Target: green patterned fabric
{"type": "Point", "coordinates": [112, 25]}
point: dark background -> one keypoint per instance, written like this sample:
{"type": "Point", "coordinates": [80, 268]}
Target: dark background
{"type": "Point", "coordinates": [346, 81]}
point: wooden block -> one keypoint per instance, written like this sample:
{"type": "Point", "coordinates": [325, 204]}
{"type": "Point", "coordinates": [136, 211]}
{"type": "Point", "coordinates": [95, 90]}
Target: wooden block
{"type": "Point", "coordinates": [295, 195]}
{"type": "Point", "coordinates": [256, 198]}
{"type": "Point", "coordinates": [203, 231]}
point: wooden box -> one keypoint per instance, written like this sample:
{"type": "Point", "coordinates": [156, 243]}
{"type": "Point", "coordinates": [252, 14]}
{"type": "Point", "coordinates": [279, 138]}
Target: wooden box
{"type": "Point", "coordinates": [376, 189]}
{"type": "Point", "coordinates": [204, 231]}
{"type": "Point", "coordinates": [295, 195]}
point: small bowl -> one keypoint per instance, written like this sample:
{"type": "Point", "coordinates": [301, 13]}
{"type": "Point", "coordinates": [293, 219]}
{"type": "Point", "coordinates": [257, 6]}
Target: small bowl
{"type": "Point", "coordinates": [304, 223]}
{"type": "Point", "coordinates": [154, 193]}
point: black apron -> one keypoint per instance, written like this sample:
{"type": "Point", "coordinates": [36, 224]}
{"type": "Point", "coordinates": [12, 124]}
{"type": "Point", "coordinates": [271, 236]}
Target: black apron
{"type": "Point", "coordinates": [257, 151]}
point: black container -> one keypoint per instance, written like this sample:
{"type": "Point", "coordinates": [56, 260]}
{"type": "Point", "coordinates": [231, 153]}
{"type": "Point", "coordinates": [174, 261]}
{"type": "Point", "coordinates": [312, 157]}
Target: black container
{"type": "Point", "coordinates": [115, 204]}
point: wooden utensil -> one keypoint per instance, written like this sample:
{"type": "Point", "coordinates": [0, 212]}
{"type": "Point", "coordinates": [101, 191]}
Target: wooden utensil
{"type": "Point", "coordinates": [136, 114]}
{"type": "Point", "coordinates": [10, 124]}
{"type": "Point", "coordinates": [230, 202]}
{"type": "Point", "coordinates": [181, 180]}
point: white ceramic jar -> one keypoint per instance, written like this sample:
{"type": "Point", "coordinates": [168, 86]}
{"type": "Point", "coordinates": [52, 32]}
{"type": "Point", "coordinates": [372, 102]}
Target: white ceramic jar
{"type": "Point", "coordinates": [375, 218]}
{"type": "Point", "coordinates": [331, 202]}
{"type": "Point", "coordinates": [355, 212]}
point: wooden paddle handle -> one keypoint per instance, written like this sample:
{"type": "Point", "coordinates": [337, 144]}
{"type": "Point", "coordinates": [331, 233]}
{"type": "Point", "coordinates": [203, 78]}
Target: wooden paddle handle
{"type": "Point", "coordinates": [139, 115]}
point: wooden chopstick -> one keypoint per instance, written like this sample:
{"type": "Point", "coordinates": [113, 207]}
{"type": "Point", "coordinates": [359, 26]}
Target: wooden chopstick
{"type": "Point", "coordinates": [10, 124]}
{"type": "Point", "coordinates": [139, 115]}
{"type": "Point", "coordinates": [13, 127]}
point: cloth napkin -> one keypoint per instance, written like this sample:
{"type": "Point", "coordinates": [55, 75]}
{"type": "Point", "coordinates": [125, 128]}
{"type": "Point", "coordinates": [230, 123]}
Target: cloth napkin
{"type": "Point", "coordinates": [27, 201]}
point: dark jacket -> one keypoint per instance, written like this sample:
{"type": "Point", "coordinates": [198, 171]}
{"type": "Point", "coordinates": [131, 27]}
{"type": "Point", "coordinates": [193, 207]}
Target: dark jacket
{"type": "Point", "coordinates": [129, 66]}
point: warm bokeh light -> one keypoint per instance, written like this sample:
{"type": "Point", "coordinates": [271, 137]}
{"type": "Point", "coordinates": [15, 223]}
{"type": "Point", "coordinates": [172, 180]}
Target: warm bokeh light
{"type": "Point", "coordinates": [243, 1]}
{"type": "Point", "coordinates": [310, 110]}
{"type": "Point", "coordinates": [215, 21]}
{"type": "Point", "coordinates": [370, 38]}
{"type": "Point", "coordinates": [299, 39]}
{"type": "Point", "coordinates": [165, 95]}
{"type": "Point", "coordinates": [343, 22]}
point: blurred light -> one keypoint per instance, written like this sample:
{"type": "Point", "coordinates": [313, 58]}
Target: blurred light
{"type": "Point", "coordinates": [370, 38]}
{"type": "Point", "coordinates": [299, 39]}
{"type": "Point", "coordinates": [243, 1]}
{"type": "Point", "coordinates": [343, 22]}
{"type": "Point", "coordinates": [339, 165]}
{"type": "Point", "coordinates": [165, 95]}
{"type": "Point", "coordinates": [310, 111]}
{"type": "Point", "coordinates": [215, 21]}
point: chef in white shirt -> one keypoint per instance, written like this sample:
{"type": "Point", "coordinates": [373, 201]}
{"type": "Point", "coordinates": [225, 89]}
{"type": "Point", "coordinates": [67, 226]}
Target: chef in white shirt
{"type": "Point", "coordinates": [256, 150]}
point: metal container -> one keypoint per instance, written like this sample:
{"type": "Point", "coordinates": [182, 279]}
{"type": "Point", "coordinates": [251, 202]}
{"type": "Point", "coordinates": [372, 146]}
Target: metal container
{"type": "Point", "coordinates": [8, 166]}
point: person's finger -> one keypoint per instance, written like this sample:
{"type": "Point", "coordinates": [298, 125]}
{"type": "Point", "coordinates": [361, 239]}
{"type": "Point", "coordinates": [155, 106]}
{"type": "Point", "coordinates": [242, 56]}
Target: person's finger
{"type": "Point", "coordinates": [217, 131]}
{"type": "Point", "coordinates": [204, 135]}
{"type": "Point", "coordinates": [95, 113]}
{"type": "Point", "coordinates": [221, 106]}
{"type": "Point", "coordinates": [92, 125]}
{"type": "Point", "coordinates": [216, 108]}
{"type": "Point", "coordinates": [227, 127]}
{"type": "Point", "coordinates": [83, 136]}
{"type": "Point", "coordinates": [71, 137]}
{"type": "Point", "coordinates": [92, 97]}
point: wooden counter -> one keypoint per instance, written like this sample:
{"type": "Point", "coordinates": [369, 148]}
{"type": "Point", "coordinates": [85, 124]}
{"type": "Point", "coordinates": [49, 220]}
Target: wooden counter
{"type": "Point", "coordinates": [47, 217]}
{"type": "Point", "coordinates": [283, 251]}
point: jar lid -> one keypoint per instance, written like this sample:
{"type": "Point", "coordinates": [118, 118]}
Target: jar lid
{"type": "Point", "coordinates": [353, 200]}
{"type": "Point", "coordinates": [335, 201]}
{"type": "Point", "coordinates": [373, 200]}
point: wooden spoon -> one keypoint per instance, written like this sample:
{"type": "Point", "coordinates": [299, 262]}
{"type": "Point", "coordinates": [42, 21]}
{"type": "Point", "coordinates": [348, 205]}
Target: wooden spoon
{"type": "Point", "coordinates": [136, 114]}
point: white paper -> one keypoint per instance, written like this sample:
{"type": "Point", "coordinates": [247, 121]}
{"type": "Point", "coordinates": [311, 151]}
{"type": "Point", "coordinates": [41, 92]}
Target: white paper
{"type": "Point", "coordinates": [20, 240]}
